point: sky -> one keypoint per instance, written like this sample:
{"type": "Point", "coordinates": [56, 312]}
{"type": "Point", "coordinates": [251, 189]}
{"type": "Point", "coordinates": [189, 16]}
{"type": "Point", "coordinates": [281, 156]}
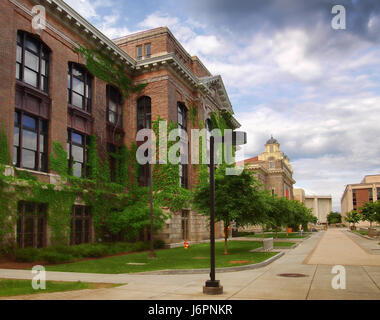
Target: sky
{"type": "Point", "coordinates": [288, 73]}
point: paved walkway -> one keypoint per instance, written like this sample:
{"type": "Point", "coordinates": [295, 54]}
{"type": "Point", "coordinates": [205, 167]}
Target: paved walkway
{"type": "Point", "coordinates": [337, 248]}
{"type": "Point", "coordinates": [363, 282]}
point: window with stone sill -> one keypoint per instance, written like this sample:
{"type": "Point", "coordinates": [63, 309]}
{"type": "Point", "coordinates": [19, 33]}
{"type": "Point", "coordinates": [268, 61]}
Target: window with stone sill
{"type": "Point", "coordinates": [76, 153]}
{"type": "Point", "coordinates": [30, 142]}
{"type": "Point", "coordinates": [79, 87]}
{"type": "Point", "coordinates": [114, 106]}
{"type": "Point", "coordinates": [32, 61]}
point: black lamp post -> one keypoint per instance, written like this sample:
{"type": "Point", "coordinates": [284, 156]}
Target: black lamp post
{"type": "Point", "coordinates": [213, 286]}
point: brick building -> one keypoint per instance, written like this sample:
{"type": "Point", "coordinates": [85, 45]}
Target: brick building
{"type": "Point", "coordinates": [273, 169]}
{"type": "Point", "coordinates": [355, 195]}
{"type": "Point", "coordinates": [49, 96]}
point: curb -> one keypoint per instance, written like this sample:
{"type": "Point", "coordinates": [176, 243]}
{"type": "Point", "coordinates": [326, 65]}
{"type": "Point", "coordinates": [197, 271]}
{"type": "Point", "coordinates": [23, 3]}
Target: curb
{"type": "Point", "coordinates": [365, 237]}
{"type": "Point", "coordinates": [219, 270]}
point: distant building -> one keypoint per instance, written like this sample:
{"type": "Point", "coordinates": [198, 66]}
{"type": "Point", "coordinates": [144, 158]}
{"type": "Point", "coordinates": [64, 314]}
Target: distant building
{"type": "Point", "coordinates": [321, 205]}
{"type": "Point", "coordinates": [355, 195]}
{"type": "Point", "coordinates": [273, 169]}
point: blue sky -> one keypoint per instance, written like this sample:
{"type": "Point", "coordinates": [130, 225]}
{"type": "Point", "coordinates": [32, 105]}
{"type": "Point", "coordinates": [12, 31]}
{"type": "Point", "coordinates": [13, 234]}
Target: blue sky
{"type": "Point", "coordinates": [287, 72]}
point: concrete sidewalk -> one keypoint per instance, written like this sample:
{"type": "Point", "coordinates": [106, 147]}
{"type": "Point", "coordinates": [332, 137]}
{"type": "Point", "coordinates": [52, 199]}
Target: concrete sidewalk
{"type": "Point", "coordinates": [337, 248]}
{"type": "Point", "coordinates": [264, 283]}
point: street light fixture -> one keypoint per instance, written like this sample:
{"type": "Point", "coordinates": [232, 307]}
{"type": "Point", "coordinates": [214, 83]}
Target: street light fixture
{"type": "Point", "coordinates": [213, 286]}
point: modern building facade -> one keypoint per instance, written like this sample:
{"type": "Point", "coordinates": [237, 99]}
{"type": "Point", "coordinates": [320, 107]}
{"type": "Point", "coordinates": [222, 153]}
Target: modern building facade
{"type": "Point", "coordinates": [273, 169]}
{"type": "Point", "coordinates": [49, 96]}
{"type": "Point", "coordinates": [321, 205]}
{"type": "Point", "coordinates": [355, 195]}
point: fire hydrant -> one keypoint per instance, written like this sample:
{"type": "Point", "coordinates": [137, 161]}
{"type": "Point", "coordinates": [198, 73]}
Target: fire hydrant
{"type": "Point", "coordinates": [186, 245]}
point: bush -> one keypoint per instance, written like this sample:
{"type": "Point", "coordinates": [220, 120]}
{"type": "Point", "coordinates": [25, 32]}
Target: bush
{"type": "Point", "coordinates": [56, 257]}
{"type": "Point", "coordinates": [159, 244]}
{"type": "Point", "coordinates": [61, 254]}
{"type": "Point", "coordinates": [27, 255]}
{"type": "Point", "coordinates": [93, 250]}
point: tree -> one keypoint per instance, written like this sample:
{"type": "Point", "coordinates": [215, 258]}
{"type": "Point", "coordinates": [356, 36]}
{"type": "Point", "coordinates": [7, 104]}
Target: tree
{"type": "Point", "coordinates": [334, 217]}
{"type": "Point", "coordinates": [370, 212]}
{"type": "Point", "coordinates": [133, 219]}
{"type": "Point", "coordinates": [352, 217]}
{"type": "Point", "coordinates": [277, 211]}
{"type": "Point", "coordinates": [237, 198]}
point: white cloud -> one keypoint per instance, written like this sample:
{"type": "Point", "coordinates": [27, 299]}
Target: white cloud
{"type": "Point", "coordinates": [109, 27]}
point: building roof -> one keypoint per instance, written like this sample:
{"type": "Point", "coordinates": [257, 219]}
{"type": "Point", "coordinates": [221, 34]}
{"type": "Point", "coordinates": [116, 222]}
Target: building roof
{"type": "Point", "coordinates": [250, 160]}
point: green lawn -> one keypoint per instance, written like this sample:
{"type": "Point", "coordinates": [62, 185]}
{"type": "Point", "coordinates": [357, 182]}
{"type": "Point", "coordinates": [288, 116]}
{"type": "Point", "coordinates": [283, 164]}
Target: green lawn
{"type": "Point", "coordinates": [283, 244]}
{"type": "Point", "coordinates": [281, 235]}
{"type": "Point", "coordinates": [362, 232]}
{"type": "Point", "coordinates": [10, 288]}
{"type": "Point", "coordinates": [197, 256]}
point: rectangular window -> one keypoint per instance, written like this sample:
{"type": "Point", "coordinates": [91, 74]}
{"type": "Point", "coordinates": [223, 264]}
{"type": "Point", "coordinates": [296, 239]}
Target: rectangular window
{"type": "Point", "coordinates": [182, 116]}
{"type": "Point", "coordinates": [378, 194]}
{"type": "Point", "coordinates": [148, 50]}
{"type": "Point", "coordinates": [80, 225]}
{"type": "Point", "coordinates": [79, 84]}
{"type": "Point", "coordinates": [76, 151]}
{"type": "Point", "coordinates": [30, 142]}
{"type": "Point", "coordinates": [370, 192]}
{"type": "Point", "coordinates": [354, 199]}
{"type": "Point", "coordinates": [114, 109]}
{"type": "Point", "coordinates": [31, 225]}
{"type": "Point", "coordinates": [139, 52]}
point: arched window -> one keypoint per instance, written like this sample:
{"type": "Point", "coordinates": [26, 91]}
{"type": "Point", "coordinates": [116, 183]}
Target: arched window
{"type": "Point", "coordinates": [32, 61]}
{"type": "Point", "coordinates": [144, 113]}
{"type": "Point", "coordinates": [79, 86]}
{"type": "Point", "coordinates": [114, 106]}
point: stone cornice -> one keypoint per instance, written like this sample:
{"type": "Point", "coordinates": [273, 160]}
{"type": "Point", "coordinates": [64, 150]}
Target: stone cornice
{"type": "Point", "coordinates": [69, 17]}
{"type": "Point", "coordinates": [66, 14]}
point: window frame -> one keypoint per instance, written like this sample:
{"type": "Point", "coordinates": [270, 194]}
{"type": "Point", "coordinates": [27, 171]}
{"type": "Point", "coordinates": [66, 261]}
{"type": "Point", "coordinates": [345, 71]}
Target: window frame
{"type": "Point", "coordinates": [118, 114]}
{"type": "Point", "coordinates": [42, 50]}
{"type": "Point", "coordinates": [145, 103]}
{"type": "Point", "coordinates": [146, 46]}
{"type": "Point", "coordinates": [88, 80]}
{"type": "Point", "coordinates": [71, 160]}
{"type": "Point", "coordinates": [139, 55]}
{"type": "Point", "coordinates": [39, 212]}
{"type": "Point", "coordinates": [85, 216]}
{"type": "Point", "coordinates": [20, 126]}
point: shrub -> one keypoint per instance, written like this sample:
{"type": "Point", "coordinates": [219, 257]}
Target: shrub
{"type": "Point", "coordinates": [93, 250]}
{"type": "Point", "coordinates": [27, 255]}
{"type": "Point", "coordinates": [56, 257]}
{"type": "Point", "coordinates": [140, 246]}
{"type": "Point", "coordinates": [159, 244]}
